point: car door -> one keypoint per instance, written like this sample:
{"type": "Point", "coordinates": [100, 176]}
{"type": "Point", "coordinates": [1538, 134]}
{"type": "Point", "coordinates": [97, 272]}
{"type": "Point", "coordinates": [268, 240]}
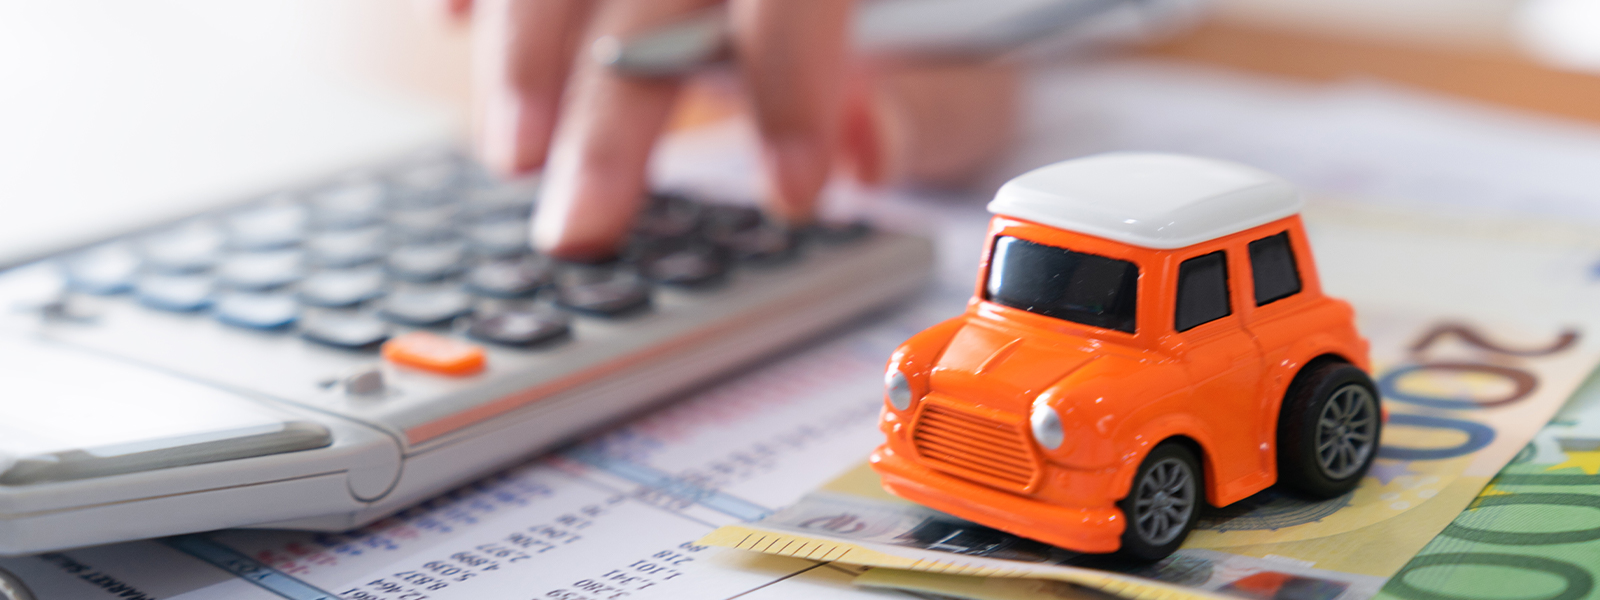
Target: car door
{"type": "Point", "coordinates": [1223, 363]}
{"type": "Point", "coordinates": [1278, 300]}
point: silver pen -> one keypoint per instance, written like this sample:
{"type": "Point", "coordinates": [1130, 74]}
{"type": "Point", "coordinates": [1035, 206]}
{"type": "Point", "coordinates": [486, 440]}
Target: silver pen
{"type": "Point", "coordinates": [909, 30]}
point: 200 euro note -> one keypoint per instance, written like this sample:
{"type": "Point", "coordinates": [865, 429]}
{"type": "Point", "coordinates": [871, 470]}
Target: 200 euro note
{"type": "Point", "coordinates": [1534, 532]}
{"type": "Point", "coordinates": [1463, 399]}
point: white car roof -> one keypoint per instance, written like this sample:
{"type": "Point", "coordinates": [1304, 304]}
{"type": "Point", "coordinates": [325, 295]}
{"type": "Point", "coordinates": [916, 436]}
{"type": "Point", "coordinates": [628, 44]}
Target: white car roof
{"type": "Point", "coordinates": [1148, 199]}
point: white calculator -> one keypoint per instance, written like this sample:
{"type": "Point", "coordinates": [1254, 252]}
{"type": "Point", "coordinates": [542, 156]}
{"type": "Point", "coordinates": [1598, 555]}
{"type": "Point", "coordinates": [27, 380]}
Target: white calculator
{"type": "Point", "coordinates": [325, 356]}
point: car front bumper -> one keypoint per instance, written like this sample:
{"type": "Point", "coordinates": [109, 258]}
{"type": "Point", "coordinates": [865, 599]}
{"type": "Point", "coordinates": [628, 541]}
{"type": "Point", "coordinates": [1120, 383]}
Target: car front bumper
{"type": "Point", "coordinates": [1096, 529]}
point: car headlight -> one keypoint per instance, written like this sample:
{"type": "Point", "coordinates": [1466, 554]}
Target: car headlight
{"type": "Point", "coordinates": [898, 389]}
{"type": "Point", "coordinates": [1046, 426]}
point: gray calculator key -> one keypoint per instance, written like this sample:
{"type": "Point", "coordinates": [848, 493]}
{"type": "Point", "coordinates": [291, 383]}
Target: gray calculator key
{"type": "Point", "coordinates": [182, 293]}
{"type": "Point", "coordinates": [344, 329]}
{"type": "Point", "coordinates": [835, 232]}
{"type": "Point", "coordinates": [510, 277]}
{"type": "Point", "coordinates": [346, 248]}
{"type": "Point", "coordinates": [425, 224]}
{"type": "Point", "coordinates": [257, 311]}
{"type": "Point", "coordinates": [667, 216]}
{"type": "Point", "coordinates": [512, 201]}
{"type": "Point", "coordinates": [765, 243]}
{"type": "Point", "coordinates": [357, 203]}
{"type": "Point", "coordinates": [108, 269]}
{"type": "Point", "coordinates": [261, 270]}
{"type": "Point", "coordinates": [602, 293]}
{"type": "Point", "coordinates": [39, 287]}
{"type": "Point", "coordinates": [267, 227]}
{"type": "Point", "coordinates": [427, 262]}
{"type": "Point", "coordinates": [425, 306]}
{"type": "Point", "coordinates": [185, 249]}
{"type": "Point", "coordinates": [342, 287]}
{"type": "Point", "coordinates": [430, 183]}
{"type": "Point", "coordinates": [684, 264]}
{"type": "Point", "coordinates": [519, 327]}
{"type": "Point", "coordinates": [508, 237]}
{"type": "Point", "coordinates": [723, 219]}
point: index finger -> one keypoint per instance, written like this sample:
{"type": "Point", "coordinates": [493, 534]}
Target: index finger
{"type": "Point", "coordinates": [792, 55]}
{"type": "Point", "coordinates": [595, 179]}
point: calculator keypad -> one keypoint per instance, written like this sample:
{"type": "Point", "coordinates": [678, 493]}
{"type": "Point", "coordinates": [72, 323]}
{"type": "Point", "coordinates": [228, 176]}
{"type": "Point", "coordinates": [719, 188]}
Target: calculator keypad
{"type": "Point", "coordinates": [434, 245]}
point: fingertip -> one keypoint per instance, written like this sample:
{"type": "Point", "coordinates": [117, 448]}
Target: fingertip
{"type": "Point", "coordinates": [586, 208]}
{"type": "Point", "coordinates": [798, 166]}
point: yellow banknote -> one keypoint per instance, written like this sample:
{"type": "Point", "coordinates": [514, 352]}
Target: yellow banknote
{"type": "Point", "coordinates": [1462, 398]}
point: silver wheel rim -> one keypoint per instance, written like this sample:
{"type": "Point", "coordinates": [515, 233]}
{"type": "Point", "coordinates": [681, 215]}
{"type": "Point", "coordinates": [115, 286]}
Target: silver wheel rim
{"type": "Point", "coordinates": [1164, 501]}
{"type": "Point", "coordinates": [1346, 431]}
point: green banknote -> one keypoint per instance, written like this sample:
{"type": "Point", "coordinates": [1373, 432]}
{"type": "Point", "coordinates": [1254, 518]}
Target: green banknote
{"type": "Point", "coordinates": [1533, 533]}
{"type": "Point", "coordinates": [1464, 399]}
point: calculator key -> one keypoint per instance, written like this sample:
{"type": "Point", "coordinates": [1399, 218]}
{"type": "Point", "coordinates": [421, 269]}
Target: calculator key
{"type": "Point", "coordinates": [722, 219]}
{"type": "Point", "coordinates": [185, 249]}
{"type": "Point", "coordinates": [346, 248]}
{"type": "Point", "coordinates": [343, 329]}
{"type": "Point", "coordinates": [257, 311]}
{"type": "Point", "coordinates": [267, 227]}
{"type": "Point", "coordinates": [510, 278]}
{"type": "Point", "coordinates": [427, 184]}
{"type": "Point", "coordinates": [428, 224]}
{"type": "Point", "coordinates": [764, 243]}
{"type": "Point", "coordinates": [105, 270]}
{"type": "Point", "coordinates": [426, 306]}
{"type": "Point", "coordinates": [602, 293]}
{"type": "Point", "coordinates": [342, 287]}
{"type": "Point", "coordinates": [667, 216]}
{"type": "Point", "coordinates": [357, 203]}
{"type": "Point", "coordinates": [683, 264]}
{"type": "Point", "coordinates": [39, 287]}
{"type": "Point", "coordinates": [835, 232]}
{"type": "Point", "coordinates": [519, 327]}
{"type": "Point", "coordinates": [367, 382]}
{"type": "Point", "coordinates": [499, 238]}
{"type": "Point", "coordinates": [434, 352]}
{"type": "Point", "coordinates": [182, 293]}
{"type": "Point", "coordinates": [261, 270]}
{"type": "Point", "coordinates": [510, 202]}
{"type": "Point", "coordinates": [427, 262]}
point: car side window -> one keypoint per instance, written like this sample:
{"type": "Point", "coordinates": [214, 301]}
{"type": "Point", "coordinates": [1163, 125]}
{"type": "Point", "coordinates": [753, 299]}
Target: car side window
{"type": "Point", "coordinates": [1273, 268]}
{"type": "Point", "coordinates": [1202, 291]}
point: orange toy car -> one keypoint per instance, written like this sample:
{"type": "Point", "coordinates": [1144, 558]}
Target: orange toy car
{"type": "Point", "coordinates": [1147, 328]}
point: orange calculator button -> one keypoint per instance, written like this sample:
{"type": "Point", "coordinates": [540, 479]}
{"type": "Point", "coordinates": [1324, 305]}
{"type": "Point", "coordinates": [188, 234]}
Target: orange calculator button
{"type": "Point", "coordinates": [433, 352]}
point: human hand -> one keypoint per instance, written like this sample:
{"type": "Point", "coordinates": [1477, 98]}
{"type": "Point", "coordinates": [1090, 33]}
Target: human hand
{"type": "Point", "coordinates": [540, 103]}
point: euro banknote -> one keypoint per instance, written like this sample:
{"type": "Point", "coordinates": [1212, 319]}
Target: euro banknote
{"type": "Point", "coordinates": [1534, 532]}
{"type": "Point", "coordinates": [1464, 398]}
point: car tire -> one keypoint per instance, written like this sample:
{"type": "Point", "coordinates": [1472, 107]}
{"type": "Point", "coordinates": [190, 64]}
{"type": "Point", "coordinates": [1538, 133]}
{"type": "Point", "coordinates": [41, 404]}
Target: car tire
{"type": "Point", "coordinates": [1328, 431]}
{"type": "Point", "coordinates": [1163, 503]}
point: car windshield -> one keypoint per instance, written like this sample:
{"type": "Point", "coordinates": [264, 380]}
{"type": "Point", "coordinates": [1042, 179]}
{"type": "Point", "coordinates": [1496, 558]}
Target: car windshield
{"type": "Point", "coordinates": [1056, 282]}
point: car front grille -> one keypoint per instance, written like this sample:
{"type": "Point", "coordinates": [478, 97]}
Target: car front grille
{"type": "Point", "coordinates": [976, 446]}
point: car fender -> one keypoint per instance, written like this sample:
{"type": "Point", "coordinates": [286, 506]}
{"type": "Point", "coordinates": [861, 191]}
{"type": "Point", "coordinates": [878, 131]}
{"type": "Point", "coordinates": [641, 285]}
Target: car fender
{"type": "Point", "coordinates": [1298, 356]}
{"type": "Point", "coordinates": [1106, 402]}
{"type": "Point", "coordinates": [1174, 426]}
{"type": "Point", "coordinates": [916, 356]}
